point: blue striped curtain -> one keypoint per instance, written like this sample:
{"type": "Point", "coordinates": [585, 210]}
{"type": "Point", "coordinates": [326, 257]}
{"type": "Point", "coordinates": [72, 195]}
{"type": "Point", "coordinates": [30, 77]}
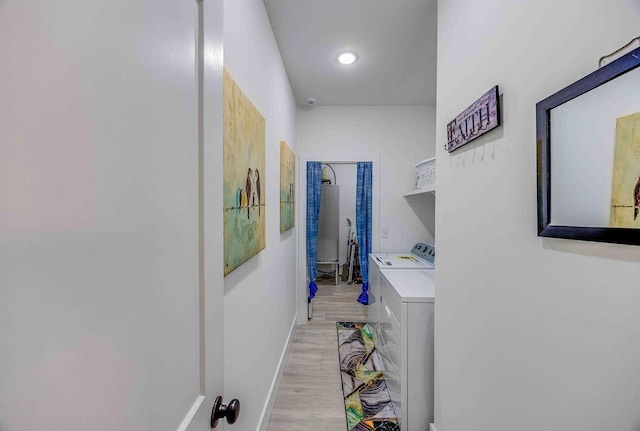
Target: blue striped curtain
{"type": "Point", "coordinates": [363, 224]}
{"type": "Point", "coordinates": [314, 190]}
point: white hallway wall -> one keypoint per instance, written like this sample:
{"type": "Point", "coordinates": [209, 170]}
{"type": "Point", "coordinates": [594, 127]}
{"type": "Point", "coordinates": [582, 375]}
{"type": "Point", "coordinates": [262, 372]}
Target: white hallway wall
{"type": "Point", "coordinates": [530, 333]}
{"type": "Point", "coordinates": [260, 295]}
{"type": "Point", "coordinates": [403, 136]}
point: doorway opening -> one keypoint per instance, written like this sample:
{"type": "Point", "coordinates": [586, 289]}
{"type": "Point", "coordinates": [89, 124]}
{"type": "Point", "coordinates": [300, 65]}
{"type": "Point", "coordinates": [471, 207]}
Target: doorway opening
{"type": "Point", "coordinates": [336, 277]}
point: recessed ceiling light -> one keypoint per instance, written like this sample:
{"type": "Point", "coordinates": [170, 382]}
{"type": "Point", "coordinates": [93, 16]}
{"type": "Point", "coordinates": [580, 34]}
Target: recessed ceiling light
{"type": "Point", "coordinates": [347, 57]}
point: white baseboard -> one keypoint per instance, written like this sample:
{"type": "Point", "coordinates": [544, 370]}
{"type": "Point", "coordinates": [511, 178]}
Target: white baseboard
{"type": "Point", "coordinates": [432, 427]}
{"type": "Point", "coordinates": [275, 384]}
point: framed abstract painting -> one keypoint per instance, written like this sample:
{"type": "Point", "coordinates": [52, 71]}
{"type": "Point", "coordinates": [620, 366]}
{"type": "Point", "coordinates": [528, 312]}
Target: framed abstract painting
{"type": "Point", "coordinates": [287, 187]}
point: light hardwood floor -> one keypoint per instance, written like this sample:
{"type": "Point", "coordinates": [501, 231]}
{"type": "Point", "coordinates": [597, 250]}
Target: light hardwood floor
{"type": "Point", "coordinates": [310, 393]}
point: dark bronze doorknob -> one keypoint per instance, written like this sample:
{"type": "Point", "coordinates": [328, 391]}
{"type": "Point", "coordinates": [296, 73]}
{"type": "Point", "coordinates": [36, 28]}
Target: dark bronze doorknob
{"type": "Point", "coordinates": [229, 411]}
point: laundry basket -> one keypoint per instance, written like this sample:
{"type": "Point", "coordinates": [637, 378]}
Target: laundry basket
{"type": "Point", "coordinates": [426, 173]}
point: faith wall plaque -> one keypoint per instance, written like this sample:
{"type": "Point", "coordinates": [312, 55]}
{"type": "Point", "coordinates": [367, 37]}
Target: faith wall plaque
{"type": "Point", "coordinates": [479, 118]}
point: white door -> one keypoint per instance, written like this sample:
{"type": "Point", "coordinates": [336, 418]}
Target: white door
{"type": "Point", "coordinates": [110, 269]}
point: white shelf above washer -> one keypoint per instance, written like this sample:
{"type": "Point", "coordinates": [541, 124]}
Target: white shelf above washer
{"type": "Point", "coordinates": [428, 189]}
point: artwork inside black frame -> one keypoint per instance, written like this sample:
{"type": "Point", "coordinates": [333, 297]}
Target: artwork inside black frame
{"type": "Point", "coordinates": [583, 132]}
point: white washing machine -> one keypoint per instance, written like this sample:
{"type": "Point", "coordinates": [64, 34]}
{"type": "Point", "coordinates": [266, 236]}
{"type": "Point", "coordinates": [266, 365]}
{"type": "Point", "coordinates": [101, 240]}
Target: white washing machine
{"type": "Point", "coordinates": [405, 344]}
{"type": "Point", "coordinates": [422, 257]}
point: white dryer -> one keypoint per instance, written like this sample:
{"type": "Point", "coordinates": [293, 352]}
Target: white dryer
{"type": "Point", "coordinates": [405, 344]}
{"type": "Point", "coordinates": [422, 257]}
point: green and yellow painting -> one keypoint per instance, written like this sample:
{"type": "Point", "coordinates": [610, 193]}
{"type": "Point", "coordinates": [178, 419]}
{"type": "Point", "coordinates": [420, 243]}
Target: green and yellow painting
{"type": "Point", "coordinates": [244, 180]}
{"type": "Point", "coordinates": [287, 187]}
{"type": "Point", "coordinates": [625, 196]}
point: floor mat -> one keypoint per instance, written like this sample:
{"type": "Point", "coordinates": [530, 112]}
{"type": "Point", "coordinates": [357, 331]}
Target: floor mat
{"type": "Point", "coordinates": [367, 400]}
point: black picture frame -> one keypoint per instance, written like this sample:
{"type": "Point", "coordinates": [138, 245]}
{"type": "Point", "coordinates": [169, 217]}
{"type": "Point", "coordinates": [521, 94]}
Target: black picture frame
{"type": "Point", "coordinates": [601, 76]}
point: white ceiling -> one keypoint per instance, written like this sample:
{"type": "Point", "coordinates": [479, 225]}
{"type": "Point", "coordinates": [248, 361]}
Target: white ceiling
{"type": "Point", "coordinates": [396, 42]}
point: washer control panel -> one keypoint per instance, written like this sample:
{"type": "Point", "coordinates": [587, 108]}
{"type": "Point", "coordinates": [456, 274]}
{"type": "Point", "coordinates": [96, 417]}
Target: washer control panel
{"type": "Point", "coordinates": [425, 251]}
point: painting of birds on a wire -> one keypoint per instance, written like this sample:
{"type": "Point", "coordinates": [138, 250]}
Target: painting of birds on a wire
{"type": "Point", "coordinates": [287, 187]}
{"type": "Point", "coordinates": [625, 195]}
{"type": "Point", "coordinates": [244, 182]}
